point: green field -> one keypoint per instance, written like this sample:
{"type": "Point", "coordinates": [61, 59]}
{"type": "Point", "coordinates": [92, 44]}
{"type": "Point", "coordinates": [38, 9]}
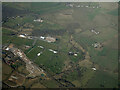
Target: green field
{"type": "Point", "coordinates": [102, 80]}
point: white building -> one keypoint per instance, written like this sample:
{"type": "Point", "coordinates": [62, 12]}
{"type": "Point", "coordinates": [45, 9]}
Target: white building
{"type": "Point", "coordinates": [41, 46]}
{"type": "Point", "coordinates": [7, 48]}
{"type": "Point", "coordinates": [75, 54]}
{"type": "Point", "coordinates": [50, 50]}
{"type": "Point", "coordinates": [41, 37]}
{"type": "Point", "coordinates": [54, 51]}
{"type": "Point", "coordinates": [39, 54]}
{"type": "Point", "coordinates": [38, 20]}
{"type": "Point", "coordinates": [94, 69]}
{"type": "Point", "coordinates": [23, 36]}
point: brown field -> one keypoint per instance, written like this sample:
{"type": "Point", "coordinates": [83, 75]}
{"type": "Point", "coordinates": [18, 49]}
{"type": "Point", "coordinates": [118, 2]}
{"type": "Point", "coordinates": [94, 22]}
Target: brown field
{"type": "Point", "coordinates": [6, 71]}
{"type": "Point", "coordinates": [15, 80]}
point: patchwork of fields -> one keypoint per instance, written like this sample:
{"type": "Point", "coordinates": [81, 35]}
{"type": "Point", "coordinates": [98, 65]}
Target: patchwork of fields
{"type": "Point", "coordinates": [78, 62]}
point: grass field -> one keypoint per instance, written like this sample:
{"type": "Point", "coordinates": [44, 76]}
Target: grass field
{"type": "Point", "coordinates": [102, 79]}
{"type": "Point", "coordinates": [6, 71]}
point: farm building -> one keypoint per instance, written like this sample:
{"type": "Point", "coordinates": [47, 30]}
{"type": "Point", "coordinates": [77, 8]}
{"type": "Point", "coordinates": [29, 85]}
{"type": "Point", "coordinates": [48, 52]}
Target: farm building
{"type": "Point", "coordinates": [94, 69]}
{"type": "Point", "coordinates": [38, 20]}
{"type": "Point", "coordinates": [72, 53]}
{"type": "Point", "coordinates": [41, 37]}
{"type": "Point", "coordinates": [52, 51]}
{"type": "Point", "coordinates": [22, 36]}
{"type": "Point", "coordinates": [39, 54]}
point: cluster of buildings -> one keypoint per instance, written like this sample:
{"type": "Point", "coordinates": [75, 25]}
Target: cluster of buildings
{"type": "Point", "coordinates": [48, 49]}
{"type": "Point", "coordinates": [83, 6]}
{"type": "Point", "coordinates": [38, 20]}
{"type": "Point", "coordinates": [9, 58]}
{"type": "Point", "coordinates": [17, 52]}
{"type": "Point", "coordinates": [97, 45]}
{"type": "Point", "coordinates": [33, 69]}
{"type": "Point", "coordinates": [93, 31]}
{"type": "Point", "coordinates": [48, 38]}
{"type": "Point", "coordinates": [14, 17]}
{"type": "Point", "coordinates": [72, 53]}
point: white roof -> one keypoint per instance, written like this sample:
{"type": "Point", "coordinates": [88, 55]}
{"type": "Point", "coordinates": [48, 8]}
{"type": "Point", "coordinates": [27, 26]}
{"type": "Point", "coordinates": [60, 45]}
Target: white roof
{"type": "Point", "coordinates": [42, 37]}
{"type": "Point", "coordinates": [94, 69]}
{"type": "Point", "coordinates": [41, 46]}
{"type": "Point", "coordinates": [7, 48]}
{"type": "Point", "coordinates": [75, 54]}
{"type": "Point", "coordinates": [38, 54]}
{"type": "Point", "coordinates": [22, 36]}
{"type": "Point", "coordinates": [50, 50]}
{"type": "Point", "coordinates": [38, 20]}
{"type": "Point", "coordinates": [54, 51]}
